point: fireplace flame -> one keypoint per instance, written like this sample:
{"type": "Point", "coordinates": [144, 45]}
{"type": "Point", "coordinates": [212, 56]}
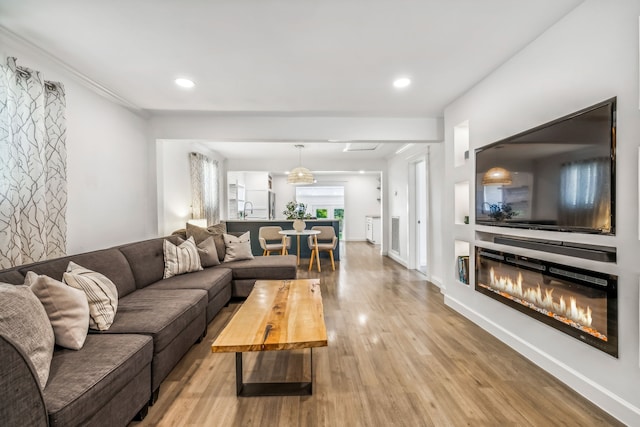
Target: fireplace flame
{"type": "Point", "coordinates": [536, 296]}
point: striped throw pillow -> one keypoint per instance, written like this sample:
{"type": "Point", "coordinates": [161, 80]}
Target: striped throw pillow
{"type": "Point", "coordinates": [101, 293]}
{"type": "Point", "coordinates": [180, 259]}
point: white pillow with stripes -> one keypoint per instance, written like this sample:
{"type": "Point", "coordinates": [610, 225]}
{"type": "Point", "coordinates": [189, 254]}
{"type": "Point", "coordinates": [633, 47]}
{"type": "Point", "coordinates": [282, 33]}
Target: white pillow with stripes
{"type": "Point", "coordinates": [101, 293]}
{"type": "Point", "coordinates": [181, 259]}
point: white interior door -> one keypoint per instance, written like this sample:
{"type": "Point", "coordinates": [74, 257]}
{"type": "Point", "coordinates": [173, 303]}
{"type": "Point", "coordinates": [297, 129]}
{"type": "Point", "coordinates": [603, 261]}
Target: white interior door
{"type": "Point", "coordinates": [421, 215]}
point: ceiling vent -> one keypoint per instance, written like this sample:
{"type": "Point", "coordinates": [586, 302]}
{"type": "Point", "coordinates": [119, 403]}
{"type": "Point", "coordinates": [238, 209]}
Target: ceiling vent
{"type": "Point", "coordinates": [360, 146]}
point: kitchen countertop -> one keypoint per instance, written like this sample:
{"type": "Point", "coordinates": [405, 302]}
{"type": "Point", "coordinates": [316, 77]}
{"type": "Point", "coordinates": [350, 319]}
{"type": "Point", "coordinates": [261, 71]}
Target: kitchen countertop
{"type": "Point", "coordinates": [253, 225]}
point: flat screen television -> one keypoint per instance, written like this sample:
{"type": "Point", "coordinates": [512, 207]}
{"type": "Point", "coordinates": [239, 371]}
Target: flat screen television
{"type": "Point", "coordinates": [559, 176]}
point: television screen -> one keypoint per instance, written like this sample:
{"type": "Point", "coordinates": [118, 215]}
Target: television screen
{"type": "Point", "coordinates": [558, 176]}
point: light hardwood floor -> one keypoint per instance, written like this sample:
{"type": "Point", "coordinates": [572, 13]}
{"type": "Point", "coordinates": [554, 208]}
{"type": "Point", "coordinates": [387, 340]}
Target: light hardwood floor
{"type": "Point", "coordinates": [397, 356]}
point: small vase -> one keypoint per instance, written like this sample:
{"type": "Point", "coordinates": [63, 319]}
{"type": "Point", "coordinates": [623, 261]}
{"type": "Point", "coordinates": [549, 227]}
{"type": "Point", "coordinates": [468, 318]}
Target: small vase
{"type": "Point", "coordinates": [298, 225]}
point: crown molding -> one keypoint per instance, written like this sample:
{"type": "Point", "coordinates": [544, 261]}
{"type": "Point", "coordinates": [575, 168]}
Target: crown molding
{"type": "Point", "coordinates": [85, 80]}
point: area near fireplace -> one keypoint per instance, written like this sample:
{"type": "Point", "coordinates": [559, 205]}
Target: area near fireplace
{"type": "Point", "coordinates": [578, 302]}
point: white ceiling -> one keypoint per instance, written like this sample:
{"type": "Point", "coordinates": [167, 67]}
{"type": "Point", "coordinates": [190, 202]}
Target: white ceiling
{"type": "Point", "coordinates": [333, 57]}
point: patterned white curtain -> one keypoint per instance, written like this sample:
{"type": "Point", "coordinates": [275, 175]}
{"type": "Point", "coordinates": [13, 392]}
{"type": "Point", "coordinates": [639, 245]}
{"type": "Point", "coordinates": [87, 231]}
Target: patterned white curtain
{"type": "Point", "coordinates": [204, 188]}
{"type": "Point", "coordinates": [33, 173]}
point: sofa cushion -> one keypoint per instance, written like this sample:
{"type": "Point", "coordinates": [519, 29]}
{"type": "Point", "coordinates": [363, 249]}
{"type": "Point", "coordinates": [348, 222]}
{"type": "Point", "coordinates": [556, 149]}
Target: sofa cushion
{"type": "Point", "coordinates": [264, 268]}
{"type": "Point", "coordinates": [21, 400]}
{"type": "Point", "coordinates": [110, 262]}
{"type": "Point", "coordinates": [67, 308]}
{"type": "Point", "coordinates": [208, 252]}
{"type": "Point", "coordinates": [12, 276]}
{"type": "Point", "coordinates": [24, 321]}
{"type": "Point", "coordinates": [146, 259]}
{"type": "Point", "coordinates": [216, 231]}
{"type": "Point", "coordinates": [180, 259]}
{"type": "Point", "coordinates": [212, 280]}
{"type": "Point", "coordinates": [237, 247]}
{"type": "Point", "coordinates": [82, 382]}
{"type": "Point", "coordinates": [101, 293]}
{"type": "Point", "coordinates": [163, 314]}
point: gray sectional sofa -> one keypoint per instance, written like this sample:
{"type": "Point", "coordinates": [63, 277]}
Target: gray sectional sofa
{"type": "Point", "coordinates": [118, 372]}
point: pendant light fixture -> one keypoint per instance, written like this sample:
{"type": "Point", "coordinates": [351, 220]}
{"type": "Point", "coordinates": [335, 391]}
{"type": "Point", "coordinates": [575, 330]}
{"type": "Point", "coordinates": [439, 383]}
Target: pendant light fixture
{"type": "Point", "coordinates": [497, 176]}
{"type": "Point", "coordinates": [300, 175]}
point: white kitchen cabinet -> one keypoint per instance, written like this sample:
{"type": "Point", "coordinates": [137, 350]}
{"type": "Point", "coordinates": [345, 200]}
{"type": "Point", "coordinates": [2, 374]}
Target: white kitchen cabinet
{"type": "Point", "coordinates": [373, 229]}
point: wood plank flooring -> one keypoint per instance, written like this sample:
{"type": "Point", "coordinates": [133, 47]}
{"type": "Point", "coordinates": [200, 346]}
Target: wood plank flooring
{"type": "Point", "coordinates": [397, 356]}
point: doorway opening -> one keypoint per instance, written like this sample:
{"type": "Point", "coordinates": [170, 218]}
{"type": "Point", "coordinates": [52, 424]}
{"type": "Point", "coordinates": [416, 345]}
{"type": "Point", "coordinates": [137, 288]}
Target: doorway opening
{"type": "Point", "coordinates": [324, 202]}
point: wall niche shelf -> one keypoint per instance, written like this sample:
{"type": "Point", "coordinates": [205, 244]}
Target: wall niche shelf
{"type": "Point", "coordinates": [462, 262]}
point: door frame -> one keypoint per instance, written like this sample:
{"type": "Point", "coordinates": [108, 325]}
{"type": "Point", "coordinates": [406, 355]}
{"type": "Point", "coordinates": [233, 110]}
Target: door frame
{"type": "Point", "coordinates": [413, 253]}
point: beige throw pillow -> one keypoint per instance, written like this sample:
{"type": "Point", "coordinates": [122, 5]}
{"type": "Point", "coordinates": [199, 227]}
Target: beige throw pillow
{"type": "Point", "coordinates": [208, 253]}
{"type": "Point", "coordinates": [201, 234]}
{"type": "Point", "coordinates": [67, 308]}
{"type": "Point", "coordinates": [237, 248]}
{"type": "Point", "coordinates": [24, 321]}
{"type": "Point", "coordinates": [101, 293]}
{"type": "Point", "coordinates": [180, 259]}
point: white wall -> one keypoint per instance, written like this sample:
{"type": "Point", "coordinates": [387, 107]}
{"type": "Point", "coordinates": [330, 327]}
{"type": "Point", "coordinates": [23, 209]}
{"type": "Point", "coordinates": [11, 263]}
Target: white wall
{"type": "Point", "coordinates": [399, 198]}
{"type": "Point", "coordinates": [174, 183]}
{"type": "Point", "coordinates": [588, 56]}
{"type": "Point", "coordinates": [110, 196]}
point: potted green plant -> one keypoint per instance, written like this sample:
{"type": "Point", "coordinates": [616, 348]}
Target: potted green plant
{"type": "Point", "coordinates": [297, 212]}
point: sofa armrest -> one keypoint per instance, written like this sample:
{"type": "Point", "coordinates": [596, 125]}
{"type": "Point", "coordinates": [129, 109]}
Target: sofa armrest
{"type": "Point", "coordinates": [21, 400]}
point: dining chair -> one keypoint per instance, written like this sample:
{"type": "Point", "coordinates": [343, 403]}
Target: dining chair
{"type": "Point", "coordinates": [271, 241]}
{"type": "Point", "coordinates": [327, 241]}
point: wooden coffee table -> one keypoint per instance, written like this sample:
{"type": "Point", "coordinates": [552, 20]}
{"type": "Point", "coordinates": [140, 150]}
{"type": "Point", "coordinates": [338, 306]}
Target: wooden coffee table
{"type": "Point", "coordinates": [277, 315]}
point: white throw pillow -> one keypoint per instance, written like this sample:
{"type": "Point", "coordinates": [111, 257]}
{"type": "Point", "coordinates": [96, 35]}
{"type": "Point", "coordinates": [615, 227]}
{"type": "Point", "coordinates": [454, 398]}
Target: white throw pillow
{"type": "Point", "coordinates": [180, 259]}
{"type": "Point", "coordinates": [237, 248]}
{"type": "Point", "coordinates": [24, 321]}
{"type": "Point", "coordinates": [208, 253]}
{"type": "Point", "coordinates": [101, 293]}
{"type": "Point", "coordinates": [67, 308]}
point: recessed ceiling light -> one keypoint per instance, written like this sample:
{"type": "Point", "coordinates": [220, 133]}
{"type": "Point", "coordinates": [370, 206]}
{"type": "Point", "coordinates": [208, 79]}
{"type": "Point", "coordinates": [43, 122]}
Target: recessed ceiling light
{"type": "Point", "coordinates": [186, 83]}
{"type": "Point", "coordinates": [402, 82]}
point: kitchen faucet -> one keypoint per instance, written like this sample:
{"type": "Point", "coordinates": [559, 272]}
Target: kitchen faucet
{"type": "Point", "coordinates": [244, 209]}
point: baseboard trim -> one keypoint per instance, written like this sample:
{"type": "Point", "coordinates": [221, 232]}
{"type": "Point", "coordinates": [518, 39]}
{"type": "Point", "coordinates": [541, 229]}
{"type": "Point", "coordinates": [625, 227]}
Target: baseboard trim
{"type": "Point", "coordinates": [610, 402]}
{"type": "Point", "coordinates": [397, 259]}
{"type": "Point", "coordinates": [437, 281]}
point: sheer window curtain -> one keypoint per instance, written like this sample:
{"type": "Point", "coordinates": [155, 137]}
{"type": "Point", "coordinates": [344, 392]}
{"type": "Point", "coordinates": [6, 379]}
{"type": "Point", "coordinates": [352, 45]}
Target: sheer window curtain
{"type": "Point", "coordinates": [204, 188]}
{"type": "Point", "coordinates": [33, 182]}
{"type": "Point", "coordinates": [584, 193]}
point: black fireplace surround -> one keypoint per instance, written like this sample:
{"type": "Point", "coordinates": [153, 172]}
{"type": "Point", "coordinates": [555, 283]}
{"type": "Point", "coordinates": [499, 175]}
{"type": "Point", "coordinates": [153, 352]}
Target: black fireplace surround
{"type": "Point", "coordinates": [578, 302]}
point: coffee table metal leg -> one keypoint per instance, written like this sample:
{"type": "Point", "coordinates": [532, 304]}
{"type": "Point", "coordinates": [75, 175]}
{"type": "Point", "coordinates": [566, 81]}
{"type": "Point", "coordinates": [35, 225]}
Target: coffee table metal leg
{"type": "Point", "coordinates": [311, 368]}
{"type": "Point", "coordinates": [272, 389]}
{"type": "Point", "coordinates": [239, 383]}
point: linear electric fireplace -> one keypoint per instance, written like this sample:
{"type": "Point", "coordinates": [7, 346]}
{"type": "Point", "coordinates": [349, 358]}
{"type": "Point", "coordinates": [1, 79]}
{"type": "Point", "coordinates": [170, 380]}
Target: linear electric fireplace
{"type": "Point", "coordinates": [581, 303]}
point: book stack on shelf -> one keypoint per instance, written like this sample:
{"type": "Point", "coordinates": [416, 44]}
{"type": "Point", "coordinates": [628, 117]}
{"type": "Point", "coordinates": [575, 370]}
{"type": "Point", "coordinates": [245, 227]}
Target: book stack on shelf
{"type": "Point", "coordinates": [463, 269]}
